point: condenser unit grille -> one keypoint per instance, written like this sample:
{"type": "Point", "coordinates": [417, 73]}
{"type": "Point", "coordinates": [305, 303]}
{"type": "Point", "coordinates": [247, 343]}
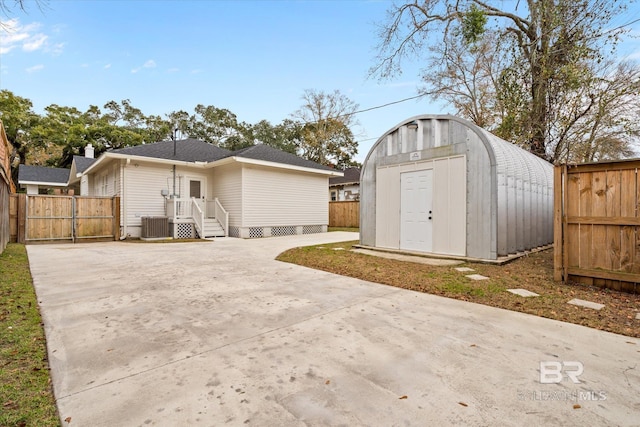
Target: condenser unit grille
{"type": "Point", "coordinates": [155, 226]}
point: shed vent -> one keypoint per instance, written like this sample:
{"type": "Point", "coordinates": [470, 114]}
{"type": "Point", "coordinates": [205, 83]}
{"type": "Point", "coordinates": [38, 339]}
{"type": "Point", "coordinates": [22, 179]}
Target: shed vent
{"type": "Point", "coordinates": [155, 226]}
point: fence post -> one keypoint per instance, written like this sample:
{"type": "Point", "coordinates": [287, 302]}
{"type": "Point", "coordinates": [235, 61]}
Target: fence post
{"type": "Point", "coordinates": [74, 218]}
{"type": "Point", "coordinates": [558, 247]}
{"type": "Point", "coordinates": [22, 218]}
{"type": "Point", "coordinates": [116, 218]}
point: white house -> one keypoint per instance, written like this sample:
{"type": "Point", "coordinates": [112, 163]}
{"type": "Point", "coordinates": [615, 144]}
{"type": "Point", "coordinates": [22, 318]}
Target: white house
{"type": "Point", "coordinates": [206, 191]}
{"type": "Point", "coordinates": [345, 188]}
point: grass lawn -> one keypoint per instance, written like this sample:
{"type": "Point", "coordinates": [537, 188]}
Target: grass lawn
{"type": "Point", "coordinates": [26, 398]}
{"type": "Point", "coordinates": [533, 272]}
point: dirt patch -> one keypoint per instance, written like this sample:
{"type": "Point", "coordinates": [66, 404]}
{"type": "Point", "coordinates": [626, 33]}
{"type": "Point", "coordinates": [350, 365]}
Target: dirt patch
{"type": "Point", "coordinates": [533, 272]}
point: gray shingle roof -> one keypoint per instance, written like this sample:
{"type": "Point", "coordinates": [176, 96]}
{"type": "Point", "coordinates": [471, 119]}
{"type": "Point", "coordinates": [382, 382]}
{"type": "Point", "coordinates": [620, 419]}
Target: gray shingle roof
{"type": "Point", "coordinates": [270, 154]}
{"type": "Point", "coordinates": [194, 150]}
{"type": "Point", "coordinates": [82, 163]}
{"type": "Point", "coordinates": [187, 150]}
{"type": "Point", "coordinates": [42, 174]}
{"type": "Point", "coordinates": [351, 175]}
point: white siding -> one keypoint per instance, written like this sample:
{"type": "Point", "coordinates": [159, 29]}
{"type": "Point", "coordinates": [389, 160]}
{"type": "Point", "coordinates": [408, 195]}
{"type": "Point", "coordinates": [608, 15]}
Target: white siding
{"type": "Point", "coordinates": [142, 193]}
{"type": "Point", "coordinates": [103, 182]}
{"type": "Point", "coordinates": [276, 197]}
{"type": "Point", "coordinates": [450, 206]}
{"type": "Point", "coordinates": [226, 185]}
{"type": "Point", "coordinates": [387, 202]}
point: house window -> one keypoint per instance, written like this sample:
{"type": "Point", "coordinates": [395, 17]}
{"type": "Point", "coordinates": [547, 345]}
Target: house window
{"type": "Point", "coordinates": [104, 185]}
{"type": "Point", "coordinates": [334, 196]}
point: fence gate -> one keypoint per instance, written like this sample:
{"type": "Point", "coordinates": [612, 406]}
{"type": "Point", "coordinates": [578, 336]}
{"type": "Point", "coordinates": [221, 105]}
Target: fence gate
{"type": "Point", "coordinates": [70, 218]}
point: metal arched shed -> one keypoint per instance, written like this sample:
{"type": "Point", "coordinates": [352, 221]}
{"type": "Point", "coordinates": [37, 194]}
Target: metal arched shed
{"type": "Point", "coordinates": [440, 184]}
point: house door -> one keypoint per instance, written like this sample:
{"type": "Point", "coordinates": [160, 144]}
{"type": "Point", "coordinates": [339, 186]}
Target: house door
{"type": "Point", "coordinates": [196, 189]}
{"type": "Point", "coordinates": [416, 207]}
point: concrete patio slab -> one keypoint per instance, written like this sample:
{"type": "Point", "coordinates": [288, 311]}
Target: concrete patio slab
{"type": "Point", "coordinates": [464, 269]}
{"type": "Point", "coordinates": [214, 333]}
{"type": "Point", "coordinates": [408, 258]}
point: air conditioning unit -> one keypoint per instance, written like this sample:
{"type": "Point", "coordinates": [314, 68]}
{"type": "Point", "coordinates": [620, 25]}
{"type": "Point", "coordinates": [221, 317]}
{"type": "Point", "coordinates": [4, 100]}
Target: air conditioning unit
{"type": "Point", "coordinates": [154, 227]}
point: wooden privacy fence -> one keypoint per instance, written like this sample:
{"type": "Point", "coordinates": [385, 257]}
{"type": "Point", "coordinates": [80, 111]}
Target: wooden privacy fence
{"type": "Point", "coordinates": [38, 218]}
{"type": "Point", "coordinates": [597, 225]}
{"type": "Point", "coordinates": [344, 214]}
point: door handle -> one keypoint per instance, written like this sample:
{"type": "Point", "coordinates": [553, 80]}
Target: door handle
{"type": "Point", "coordinates": [429, 214]}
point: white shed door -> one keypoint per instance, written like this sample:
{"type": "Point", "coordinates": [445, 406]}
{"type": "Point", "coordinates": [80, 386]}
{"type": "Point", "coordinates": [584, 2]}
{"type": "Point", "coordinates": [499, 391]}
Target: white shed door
{"type": "Point", "coordinates": [416, 205]}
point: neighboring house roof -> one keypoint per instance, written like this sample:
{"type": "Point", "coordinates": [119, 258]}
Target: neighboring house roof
{"type": "Point", "coordinates": [43, 175]}
{"type": "Point", "coordinates": [270, 154]}
{"type": "Point", "coordinates": [187, 150]}
{"type": "Point", "coordinates": [82, 163]}
{"type": "Point", "coordinates": [351, 176]}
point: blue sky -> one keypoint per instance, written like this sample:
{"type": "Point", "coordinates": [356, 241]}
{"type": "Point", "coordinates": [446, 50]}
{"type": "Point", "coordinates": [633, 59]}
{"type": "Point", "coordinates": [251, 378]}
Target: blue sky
{"type": "Point", "coordinates": [255, 58]}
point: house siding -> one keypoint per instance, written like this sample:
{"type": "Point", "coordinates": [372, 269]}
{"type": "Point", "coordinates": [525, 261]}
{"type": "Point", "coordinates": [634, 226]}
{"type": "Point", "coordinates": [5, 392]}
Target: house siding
{"type": "Point", "coordinates": [226, 185]}
{"type": "Point", "coordinates": [103, 182]}
{"type": "Point", "coordinates": [280, 198]}
{"type": "Point", "coordinates": [142, 194]}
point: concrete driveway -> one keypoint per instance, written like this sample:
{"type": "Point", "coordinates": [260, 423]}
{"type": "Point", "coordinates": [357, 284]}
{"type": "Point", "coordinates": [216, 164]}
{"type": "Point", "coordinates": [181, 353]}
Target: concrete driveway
{"type": "Point", "coordinates": [219, 332]}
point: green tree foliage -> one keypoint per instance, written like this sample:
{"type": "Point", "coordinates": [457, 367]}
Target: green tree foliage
{"type": "Point", "coordinates": [326, 137]}
{"type": "Point", "coordinates": [18, 118]}
{"type": "Point", "coordinates": [531, 71]}
{"type": "Point", "coordinates": [322, 132]}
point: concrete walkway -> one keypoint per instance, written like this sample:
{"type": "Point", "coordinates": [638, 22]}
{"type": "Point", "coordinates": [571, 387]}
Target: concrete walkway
{"type": "Point", "coordinates": [218, 332]}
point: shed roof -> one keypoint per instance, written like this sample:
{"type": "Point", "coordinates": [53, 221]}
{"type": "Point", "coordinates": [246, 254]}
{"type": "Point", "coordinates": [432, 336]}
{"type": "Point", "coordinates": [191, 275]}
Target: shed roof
{"type": "Point", "coordinates": [42, 175]}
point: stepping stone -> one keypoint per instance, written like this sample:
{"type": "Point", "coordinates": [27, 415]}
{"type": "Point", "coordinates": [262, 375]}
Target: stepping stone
{"type": "Point", "coordinates": [338, 249]}
{"type": "Point", "coordinates": [588, 304]}
{"type": "Point", "coordinates": [523, 292]}
{"type": "Point", "coordinates": [477, 277]}
{"type": "Point", "coordinates": [638, 316]}
{"type": "Point", "coordinates": [463, 269]}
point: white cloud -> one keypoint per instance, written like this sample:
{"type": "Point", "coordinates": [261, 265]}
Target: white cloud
{"type": "Point", "coordinates": [4, 69]}
{"type": "Point", "coordinates": [197, 71]}
{"type": "Point", "coordinates": [28, 37]}
{"type": "Point", "coordinates": [106, 67]}
{"type": "Point", "coordinates": [173, 70]}
{"type": "Point", "coordinates": [34, 43]}
{"type": "Point", "coordinates": [34, 68]}
{"type": "Point", "coordinates": [85, 65]}
{"type": "Point", "coordinates": [149, 64]}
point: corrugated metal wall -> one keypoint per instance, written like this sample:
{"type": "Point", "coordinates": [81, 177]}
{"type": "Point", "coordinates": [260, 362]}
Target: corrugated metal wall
{"type": "Point", "coordinates": [506, 199]}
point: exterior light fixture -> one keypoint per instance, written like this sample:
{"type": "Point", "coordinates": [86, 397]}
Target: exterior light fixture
{"type": "Point", "coordinates": [413, 125]}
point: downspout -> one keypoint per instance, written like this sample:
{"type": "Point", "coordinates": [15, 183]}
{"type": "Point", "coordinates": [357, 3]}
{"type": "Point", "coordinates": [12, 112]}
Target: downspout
{"type": "Point", "coordinates": [175, 137]}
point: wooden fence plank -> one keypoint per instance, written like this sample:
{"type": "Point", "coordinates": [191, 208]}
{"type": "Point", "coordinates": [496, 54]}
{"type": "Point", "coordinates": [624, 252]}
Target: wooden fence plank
{"type": "Point", "coordinates": [599, 234]}
{"type": "Point", "coordinates": [600, 225]}
{"type": "Point", "coordinates": [344, 214]}
{"type": "Point", "coordinates": [558, 245]}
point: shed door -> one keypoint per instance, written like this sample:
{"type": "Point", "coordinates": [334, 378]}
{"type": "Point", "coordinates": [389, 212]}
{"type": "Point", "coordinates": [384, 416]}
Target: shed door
{"type": "Point", "coordinates": [416, 225]}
